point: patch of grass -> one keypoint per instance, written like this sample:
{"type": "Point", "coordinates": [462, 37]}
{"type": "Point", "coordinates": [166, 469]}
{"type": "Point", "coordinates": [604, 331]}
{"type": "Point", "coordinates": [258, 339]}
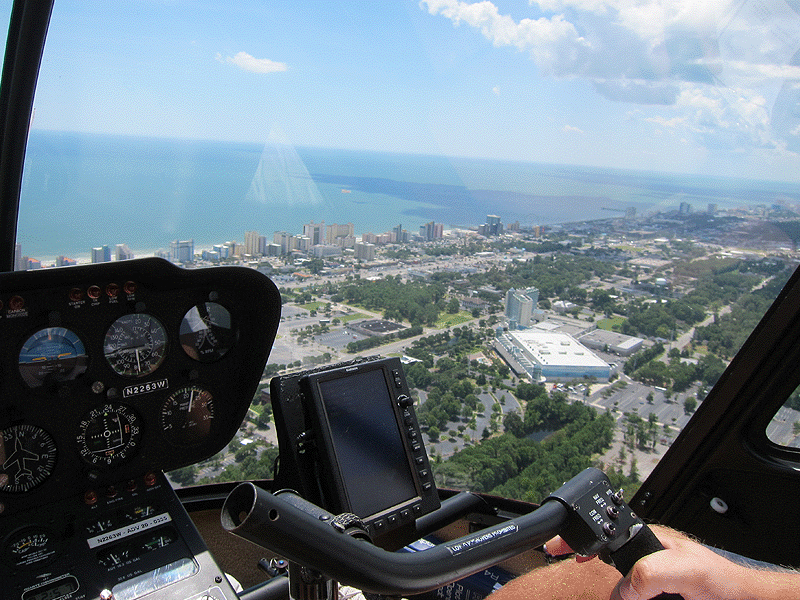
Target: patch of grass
{"type": "Point", "coordinates": [608, 324]}
{"type": "Point", "coordinates": [351, 317]}
{"type": "Point", "coordinates": [447, 320]}
{"type": "Point", "coordinates": [309, 306]}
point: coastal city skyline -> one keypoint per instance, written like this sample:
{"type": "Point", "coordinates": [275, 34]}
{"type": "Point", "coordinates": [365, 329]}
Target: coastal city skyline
{"type": "Point", "coordinates": [330, 240]}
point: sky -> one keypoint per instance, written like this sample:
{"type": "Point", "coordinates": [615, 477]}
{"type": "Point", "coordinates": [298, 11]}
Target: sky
{"type": "Point", "coordinates": [697, 86]}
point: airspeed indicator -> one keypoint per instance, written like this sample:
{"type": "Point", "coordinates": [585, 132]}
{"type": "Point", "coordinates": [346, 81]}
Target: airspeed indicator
{"type": "Point", "coordinates": [135, 345]}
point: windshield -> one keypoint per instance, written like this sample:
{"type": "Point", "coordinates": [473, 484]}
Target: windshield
{"type": "Point", "coordinates": [568, 215]}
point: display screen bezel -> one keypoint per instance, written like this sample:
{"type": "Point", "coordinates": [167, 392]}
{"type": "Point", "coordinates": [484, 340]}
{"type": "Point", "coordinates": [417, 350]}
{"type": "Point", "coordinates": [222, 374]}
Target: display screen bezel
{"type": "Point", "coordinates": [368, 493]}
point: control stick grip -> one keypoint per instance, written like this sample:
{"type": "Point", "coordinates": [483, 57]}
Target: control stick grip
{"type": "Point", "coordinates": [643, 543]}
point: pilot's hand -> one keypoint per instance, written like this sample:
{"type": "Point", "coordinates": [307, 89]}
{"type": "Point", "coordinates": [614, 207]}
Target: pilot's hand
{"type": "Point", "coordinates": [695, 572]}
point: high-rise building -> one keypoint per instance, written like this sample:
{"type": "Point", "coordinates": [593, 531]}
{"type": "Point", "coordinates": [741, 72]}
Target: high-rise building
{"type": "Point", "coordinates": [63, 261]}
{"type": "Point", "coordinates": [122, 252]}
{"type": "Point", "coordinates": [315, 232]}
{"type": "Point", "coordinates": [520, 305]}
{"type": "Point", "coordinates": [347, 241]}
{"type": "Point", "coordinates": [325, 250]}
{"type": "Point", "coordinates": [19, 263]}
{"type": "Point", "coordinates": [251, 243]}
{"type": "Point", "coordinates": [431, 231]}
{"type": "Point", "coordinates": [492, 227]}
{"type": "Point", "coordinates": [365, 251]}
{"type": "Point", "coordinates": [101, 254]}
{"type": "Point", "coordinates": [286, 241]}
{"type": "Point", "coordinates": [231, 249]}
{"type": "Point", "coordinates": [335, 232]}
{"type": "Point", "coordinates": [182, 251]}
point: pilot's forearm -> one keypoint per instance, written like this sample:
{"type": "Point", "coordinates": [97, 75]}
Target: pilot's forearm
{"type": "Point", "coordinates": [685, 567]}
{"type": "Point", "coordinates": [765, 585]}
{"type": "Point", "coordinates": [696, 572]}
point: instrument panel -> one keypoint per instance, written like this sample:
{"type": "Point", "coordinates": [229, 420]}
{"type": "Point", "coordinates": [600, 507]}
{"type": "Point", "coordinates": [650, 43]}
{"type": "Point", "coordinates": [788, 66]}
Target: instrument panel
{"type": "Point", "coordinates": [111, 374]}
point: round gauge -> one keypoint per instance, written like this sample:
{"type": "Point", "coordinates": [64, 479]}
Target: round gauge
{"type": "Point", "coordinates": [52, 354]}
{"type": "Point", "coordinates": [206, 332]}
{"type": "Point", "coordinates": [109, 435]}
{"type": "Point", "coordinates": [135, 345]}
{"type": "Point", "coordinates": [186, 416]}
{"type": "Point", "coordinates": [30, 456]}
{"type": "Point", "coordinates": [29, 547]}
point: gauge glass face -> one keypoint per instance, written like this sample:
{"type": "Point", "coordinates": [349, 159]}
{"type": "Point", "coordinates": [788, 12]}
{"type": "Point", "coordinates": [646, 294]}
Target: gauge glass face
{"type": "Point", "coordinates": [29, 547]}
{"type": "Point", "coordinates": [52, 354]}
{"type": "Point", "coordinates": [30, 456]}
{"type": "Point", "coordinates": [109, 435]}
{"type": "Point", "coordinates": [135, 345]}
{"type": "Point", "coordinates": [187, 415]}
{"type": "Point", "coordinates": [206, 332]}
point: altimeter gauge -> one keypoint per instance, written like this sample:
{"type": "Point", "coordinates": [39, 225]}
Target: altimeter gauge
{"type": "Point", "coordinates": [187, 415]}
{"type": "Point", "coordinates": [108, 435]}
{"type": "Point", "coordinates": [206, 332]}
{"type": "Point", "coordinates": [135, 345]}
{"type": "Point", "coordinates": [52, 354]}
{"type": "Point", "coordinates": [30, 457]}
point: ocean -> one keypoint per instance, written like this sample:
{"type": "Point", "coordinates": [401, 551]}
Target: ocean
{"type": "Point", "coordinates": [82, 191]}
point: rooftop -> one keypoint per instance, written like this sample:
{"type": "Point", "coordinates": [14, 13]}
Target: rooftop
{"type": "Point", "coordinates": [556, 349]}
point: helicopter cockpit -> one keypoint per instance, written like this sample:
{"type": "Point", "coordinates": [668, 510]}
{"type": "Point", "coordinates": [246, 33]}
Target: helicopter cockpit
{"type": "Point", "coordinates": [113, 375]}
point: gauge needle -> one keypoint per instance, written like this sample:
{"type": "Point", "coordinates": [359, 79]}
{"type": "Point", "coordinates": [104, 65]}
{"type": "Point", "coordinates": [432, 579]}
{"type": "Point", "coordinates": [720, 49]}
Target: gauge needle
{"type": "Point", "coordinates": [138, 363]}
{"type": "Point", "coordinates": [191, 399]}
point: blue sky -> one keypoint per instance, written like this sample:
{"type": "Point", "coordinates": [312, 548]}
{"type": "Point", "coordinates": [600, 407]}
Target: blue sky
{"type": "Point", "coordinates": [704, 86]}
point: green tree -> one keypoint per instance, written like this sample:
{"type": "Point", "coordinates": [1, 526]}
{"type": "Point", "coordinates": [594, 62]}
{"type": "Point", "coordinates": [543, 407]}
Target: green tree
{"type": "Point", "coordinates": [514, 425]}
{"type": "Point", "coordinates": [453, 306]}
{"type": "Point", "coordinates": [185, 476]}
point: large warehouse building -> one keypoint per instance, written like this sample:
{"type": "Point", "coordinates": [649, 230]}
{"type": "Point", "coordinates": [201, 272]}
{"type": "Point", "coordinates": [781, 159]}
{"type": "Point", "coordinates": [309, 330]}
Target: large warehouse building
{"type": "Point", "coordinates": [554, 356]}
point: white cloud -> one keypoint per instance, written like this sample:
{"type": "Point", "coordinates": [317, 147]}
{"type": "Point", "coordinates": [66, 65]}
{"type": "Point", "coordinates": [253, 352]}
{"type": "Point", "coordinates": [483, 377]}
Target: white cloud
{"type": "Point", "coordinates": [669, 123]}
{"type": "Point", "coordinates": [715, 71]}
{"type": "Point", "coordinates": [756, 72]}
{"type": "Point", "coordinates": [496, 90]}
{"type": "Point", "coordinates": [571, 129]}
{"type": "Point", "coordinates": [247, 62]}
{"type": "Point", "coordinates": [548, 40]}
{"type": "Point", "coordinates": [650, 20]}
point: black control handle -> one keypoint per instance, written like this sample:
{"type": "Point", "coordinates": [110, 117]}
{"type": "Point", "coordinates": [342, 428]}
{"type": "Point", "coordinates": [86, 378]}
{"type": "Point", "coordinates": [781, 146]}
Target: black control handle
{"type": "Point", "coordinates": [585, 511]}
{"type": "Point", "coordinates": [643, 543]}
{"type": "Point", "coordinates": [305, 534]}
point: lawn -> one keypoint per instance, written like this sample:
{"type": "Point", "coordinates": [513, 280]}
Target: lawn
{"type": "Point", "coordinates": [449, 320]}
{"type": "Point", "coordinates": [608, 324]}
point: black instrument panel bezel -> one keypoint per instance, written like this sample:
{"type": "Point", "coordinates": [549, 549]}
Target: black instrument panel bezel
{"type": "Point", "coordinates": [164, 291]}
